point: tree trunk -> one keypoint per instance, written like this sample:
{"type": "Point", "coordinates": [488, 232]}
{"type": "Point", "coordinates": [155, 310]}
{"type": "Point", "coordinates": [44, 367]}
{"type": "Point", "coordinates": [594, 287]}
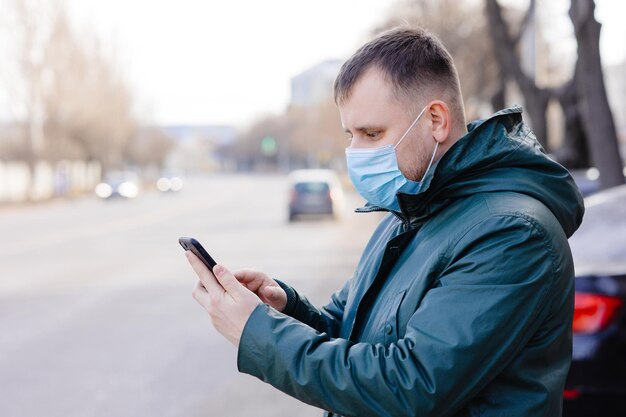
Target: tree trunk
{"type": "Point", "coordinates": [592, 100]}
{"type": "Point", "coordinates": [574, 153]}
{"type": "Point", "coordinates": [498, 99]}
{"type": "Point", "coordinates": [536, 106]}
{"type": "Point", "coordinates": [536, 99]}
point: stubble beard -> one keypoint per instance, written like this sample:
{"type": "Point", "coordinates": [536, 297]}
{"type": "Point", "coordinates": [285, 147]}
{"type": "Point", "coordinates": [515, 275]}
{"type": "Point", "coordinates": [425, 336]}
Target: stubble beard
{"type": "Point", "coordinates": [417, 159]}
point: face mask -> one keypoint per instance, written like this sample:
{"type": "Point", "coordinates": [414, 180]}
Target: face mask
{"type": "Point", "coordinates": [376, 176]}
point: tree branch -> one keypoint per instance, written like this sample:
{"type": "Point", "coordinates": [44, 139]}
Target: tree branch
{"type": "Point", "coordinates": [528, 17]}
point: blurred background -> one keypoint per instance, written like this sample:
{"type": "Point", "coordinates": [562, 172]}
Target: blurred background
{"type": "Point", "coordinates": [126, 124]}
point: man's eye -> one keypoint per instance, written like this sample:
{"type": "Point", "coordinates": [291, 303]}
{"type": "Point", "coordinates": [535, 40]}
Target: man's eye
{"type": "Point", "coordinates": [371, 134]}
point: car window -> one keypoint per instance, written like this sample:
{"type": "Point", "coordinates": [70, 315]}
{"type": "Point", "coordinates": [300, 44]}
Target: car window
{"type": "Point", "coordinates": [312, 187]}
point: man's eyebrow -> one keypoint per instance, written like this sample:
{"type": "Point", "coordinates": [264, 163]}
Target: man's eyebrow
{"type": "Point", "coordinates": [363, 128]}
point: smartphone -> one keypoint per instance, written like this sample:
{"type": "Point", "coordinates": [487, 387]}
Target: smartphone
{"type": "Point", "coordinates": [189, 243]}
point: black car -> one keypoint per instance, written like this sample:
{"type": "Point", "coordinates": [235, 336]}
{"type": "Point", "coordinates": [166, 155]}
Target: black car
{"type": "Point", "coordinates": [596, 384]}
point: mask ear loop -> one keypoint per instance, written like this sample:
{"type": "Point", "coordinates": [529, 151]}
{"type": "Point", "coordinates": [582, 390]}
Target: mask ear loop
{"type": "Point", "coordinates": [432, 158]}
{"type": "Point", "coordinates": [410, 127]}
{"type": "Point", "coordinates": [430, 164]}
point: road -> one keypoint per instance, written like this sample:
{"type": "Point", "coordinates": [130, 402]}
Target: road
{"type": "Point", "coordinates": [96, 314]}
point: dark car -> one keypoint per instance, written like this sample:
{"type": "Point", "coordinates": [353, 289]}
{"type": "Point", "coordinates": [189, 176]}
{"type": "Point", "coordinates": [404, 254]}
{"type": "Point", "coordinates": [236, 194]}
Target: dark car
{"type": "Point", "coordinates": [314, 191]}
{"type": "Point", "coordinates": [596, 384]}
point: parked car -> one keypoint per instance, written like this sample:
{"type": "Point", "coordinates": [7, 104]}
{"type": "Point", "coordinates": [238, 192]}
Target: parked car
{"type": "Point", "coordinates": [123, 184]}
{"type": "Point", "coordinates": [596, 384]}
{"type": "Point", "coordinates": [314, 191]}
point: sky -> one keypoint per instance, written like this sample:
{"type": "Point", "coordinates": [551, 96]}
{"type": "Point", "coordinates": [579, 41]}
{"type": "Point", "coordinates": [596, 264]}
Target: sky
{"type": "Point", "coordinates": [230, 62]}
{"type": "Point", "coordinates": [223, 62]}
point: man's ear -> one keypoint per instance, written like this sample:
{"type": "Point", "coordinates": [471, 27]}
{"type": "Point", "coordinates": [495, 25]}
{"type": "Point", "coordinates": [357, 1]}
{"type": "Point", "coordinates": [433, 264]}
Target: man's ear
{"type": "Point", "coordinates": [440, 120]}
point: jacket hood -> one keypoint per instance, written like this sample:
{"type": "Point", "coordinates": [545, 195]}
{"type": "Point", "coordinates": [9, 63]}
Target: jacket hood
{"type": "Point", "coordinates": [497, 154]}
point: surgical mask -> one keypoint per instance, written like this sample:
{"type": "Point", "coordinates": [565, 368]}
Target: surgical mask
{"type": "Point", "coordinates": [376, 175]}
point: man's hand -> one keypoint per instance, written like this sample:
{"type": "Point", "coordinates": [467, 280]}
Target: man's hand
{"type": "Point", "coordinates": [228, 302]}
{"type": "Point", "coordinates": [264, 287]}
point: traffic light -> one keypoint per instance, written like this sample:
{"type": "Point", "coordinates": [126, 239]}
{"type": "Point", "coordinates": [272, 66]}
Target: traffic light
{"type": "Point", "coordinates": [268, 146]}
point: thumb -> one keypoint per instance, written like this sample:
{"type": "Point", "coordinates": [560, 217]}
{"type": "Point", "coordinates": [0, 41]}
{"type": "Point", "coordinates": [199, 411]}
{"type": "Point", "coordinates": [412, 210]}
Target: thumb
{"type": "Point", "coordinates": [276, 296]}
{"type": "Point", "coordinates": [271, 293]}
{"type": "Point", "coordinates": [228, 281]}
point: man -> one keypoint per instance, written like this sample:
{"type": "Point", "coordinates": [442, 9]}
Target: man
{"type": "Point", "coordinates": [463, 299]}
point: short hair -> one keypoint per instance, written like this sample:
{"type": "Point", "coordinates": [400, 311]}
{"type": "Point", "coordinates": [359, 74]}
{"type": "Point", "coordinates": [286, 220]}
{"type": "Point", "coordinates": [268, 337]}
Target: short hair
{"type": "Point", "coordinates": [414, 61]}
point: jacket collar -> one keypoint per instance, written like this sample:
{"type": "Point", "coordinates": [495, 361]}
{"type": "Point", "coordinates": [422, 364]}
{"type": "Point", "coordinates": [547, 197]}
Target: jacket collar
{"type": "Point", "coordinates": [499, 153]}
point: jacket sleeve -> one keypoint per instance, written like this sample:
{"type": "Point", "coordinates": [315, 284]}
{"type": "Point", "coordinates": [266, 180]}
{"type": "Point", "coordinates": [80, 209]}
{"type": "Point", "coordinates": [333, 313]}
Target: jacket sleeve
{"type": "Point", "coordinates": [483, 309]}
{"type": "Point", "coordinates": [325, 320]}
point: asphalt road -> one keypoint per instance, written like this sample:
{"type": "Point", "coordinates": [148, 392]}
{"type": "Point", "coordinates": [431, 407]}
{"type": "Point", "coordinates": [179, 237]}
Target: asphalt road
{"type": "Point", "coordinates": [96, 314]}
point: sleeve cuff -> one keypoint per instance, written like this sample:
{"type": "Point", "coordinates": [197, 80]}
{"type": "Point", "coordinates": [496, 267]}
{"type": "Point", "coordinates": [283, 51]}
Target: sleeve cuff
{"type": "Point", "coordinates": [292, 298]}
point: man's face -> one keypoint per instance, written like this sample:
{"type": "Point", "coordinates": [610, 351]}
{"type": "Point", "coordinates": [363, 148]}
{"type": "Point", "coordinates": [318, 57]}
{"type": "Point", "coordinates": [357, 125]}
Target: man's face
{"type": "Point", "coordinates": [373, 117]}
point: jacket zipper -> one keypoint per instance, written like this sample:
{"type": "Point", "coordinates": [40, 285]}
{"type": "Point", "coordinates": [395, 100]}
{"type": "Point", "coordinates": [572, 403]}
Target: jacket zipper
{"type": "Point", "coordinates": [372, 209]}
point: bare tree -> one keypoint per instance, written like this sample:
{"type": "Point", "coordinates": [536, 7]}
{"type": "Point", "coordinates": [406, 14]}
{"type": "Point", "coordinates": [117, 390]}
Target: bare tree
{"type": "Point", "coordinates": [589, 123]}
{"type": "Point", "coordinates": [574, 152]}
{"type": "Point", "coordinates": [466, 39]}
{"type": "Point", "coordinates": [592, 100]}
{"type": "Point", "coordinates": [29, 32]}
{"type": "Point", "coordinates": [505, 45]}
{"type": "Point", "coordinates": [77, 104]}
{"type": "Point", "coordinates": [149, 148]}
{"type": "Point", "coordinates": [88, 106]}
{"type": "Point", "coordinates": [305, 136]}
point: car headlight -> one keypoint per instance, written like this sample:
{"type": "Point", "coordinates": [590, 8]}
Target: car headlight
{"type": "Point", "coordinates": [164, 184]}
{"type": "Point", "coordinates": [592, 174]}
{"type": "Point", "coordinates": [128, 189]}
{"type": "Point", "coordinates": [104, 190]}
{"type": "Point", "coordinates": [176, 184]}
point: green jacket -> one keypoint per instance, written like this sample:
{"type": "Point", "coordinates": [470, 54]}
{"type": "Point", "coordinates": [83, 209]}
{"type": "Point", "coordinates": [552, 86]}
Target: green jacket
{"type": "Point", "coordinates": [461, 305]}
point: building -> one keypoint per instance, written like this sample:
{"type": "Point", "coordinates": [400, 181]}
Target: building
{"type": "Point", "coordinates": [315, 84]}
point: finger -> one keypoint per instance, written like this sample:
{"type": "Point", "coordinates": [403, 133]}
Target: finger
{"type": "Point", "coordinates": [276, 297]}
{"type": "Point", "coordinates": [272, 293]}
{"type": "Point", "coordinates": [228, 281]}
{"type": "Point", "coordinates": [275, 293]}
{"type": "Point", "coordinates": [205, 274]}
{"type": "Point", "coordinates": [246, 275]}
{"type": "Point", "coordinates": [250, 279]}
{"type": "Point", "coordinates": [201, 295]}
